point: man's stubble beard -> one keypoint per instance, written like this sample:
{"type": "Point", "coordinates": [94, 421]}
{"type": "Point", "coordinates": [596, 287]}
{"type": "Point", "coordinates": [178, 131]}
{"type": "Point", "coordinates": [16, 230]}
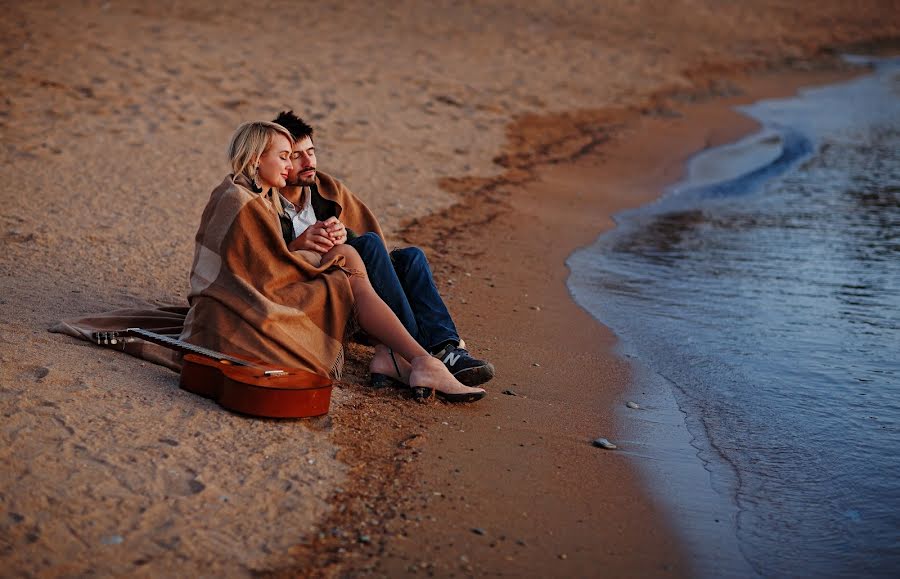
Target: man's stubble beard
{"type": "Point", "coordinates": [300, 182]}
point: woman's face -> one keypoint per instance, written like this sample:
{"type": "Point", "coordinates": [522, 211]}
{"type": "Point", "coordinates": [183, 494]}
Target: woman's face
{"type": "Point", "coordinates": [275, 164]}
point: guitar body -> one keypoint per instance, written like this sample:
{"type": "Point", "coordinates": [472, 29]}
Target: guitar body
{"type": "Point", "coordinates": [282, 393]}
{"type": "Point", "coordinates": [247, 386]}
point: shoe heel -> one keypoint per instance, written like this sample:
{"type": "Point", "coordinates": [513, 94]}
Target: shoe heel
{"type": "Point", "coordinates": [421, 393]}
{"type": "Point", "coordinates": [379, 381]}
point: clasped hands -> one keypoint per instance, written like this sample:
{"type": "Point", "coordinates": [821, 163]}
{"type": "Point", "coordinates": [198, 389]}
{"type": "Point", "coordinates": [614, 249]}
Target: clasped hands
{"type": "Point", "coordinates": [321, 236]}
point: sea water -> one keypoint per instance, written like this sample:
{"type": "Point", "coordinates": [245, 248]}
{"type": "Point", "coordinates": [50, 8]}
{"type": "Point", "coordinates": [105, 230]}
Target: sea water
{"type": "Point", "coordinates": [764, 293]}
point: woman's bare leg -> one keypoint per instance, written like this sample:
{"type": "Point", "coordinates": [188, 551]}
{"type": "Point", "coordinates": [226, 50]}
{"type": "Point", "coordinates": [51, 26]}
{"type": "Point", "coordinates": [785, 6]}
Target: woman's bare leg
{"type": "Point", "coordinates": [383, 362]}
{"type": "Point", "coordinates": [378, 320]}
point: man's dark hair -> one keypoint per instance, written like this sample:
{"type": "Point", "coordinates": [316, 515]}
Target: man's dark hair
{"type": "Point", "coordinates": [294, 124]}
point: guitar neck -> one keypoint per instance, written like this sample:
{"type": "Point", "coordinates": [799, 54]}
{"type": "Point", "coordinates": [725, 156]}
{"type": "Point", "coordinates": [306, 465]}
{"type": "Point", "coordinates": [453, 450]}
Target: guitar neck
{"type": "Point", "coordinates": [185, 347]}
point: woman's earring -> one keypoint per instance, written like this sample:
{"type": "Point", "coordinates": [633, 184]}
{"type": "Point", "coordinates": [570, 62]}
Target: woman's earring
{"type": "Point", "coordinates": [256, 188]}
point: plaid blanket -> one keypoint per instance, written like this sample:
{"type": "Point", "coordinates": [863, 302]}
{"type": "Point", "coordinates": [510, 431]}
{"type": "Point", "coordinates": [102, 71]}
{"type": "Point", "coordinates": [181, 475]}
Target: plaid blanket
{"type": "Point", "coordinates": [345, 205]}
{"type": "Point", "coordinates": [250, 296]}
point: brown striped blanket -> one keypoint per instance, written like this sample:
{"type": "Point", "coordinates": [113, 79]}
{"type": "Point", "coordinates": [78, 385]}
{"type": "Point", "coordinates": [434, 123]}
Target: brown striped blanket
{"type": "Point", "coordinates": [349, 208]}
{"type": "Point", "coordinates": [250, 296]}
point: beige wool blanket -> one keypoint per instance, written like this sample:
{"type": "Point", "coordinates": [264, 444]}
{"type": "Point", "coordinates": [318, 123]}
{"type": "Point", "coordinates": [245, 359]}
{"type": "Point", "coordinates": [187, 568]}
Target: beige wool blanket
{"type": "Point", "coordinates": [249, 296]}
{"type": "Point", "coordinates": [351, 210]}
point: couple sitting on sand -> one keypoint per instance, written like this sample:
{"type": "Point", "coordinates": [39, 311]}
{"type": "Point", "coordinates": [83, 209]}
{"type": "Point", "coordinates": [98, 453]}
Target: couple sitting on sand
{"type": "Point", "coordinates": [286, 256]}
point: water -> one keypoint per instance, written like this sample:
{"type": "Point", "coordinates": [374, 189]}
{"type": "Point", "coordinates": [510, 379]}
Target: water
{"type": "Point", "coordinates": [765, 292]}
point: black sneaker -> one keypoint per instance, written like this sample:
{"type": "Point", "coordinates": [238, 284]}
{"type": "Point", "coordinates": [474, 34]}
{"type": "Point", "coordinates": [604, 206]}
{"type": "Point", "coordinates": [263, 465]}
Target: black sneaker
{"type": "Point", "coordinates": [468, 370]}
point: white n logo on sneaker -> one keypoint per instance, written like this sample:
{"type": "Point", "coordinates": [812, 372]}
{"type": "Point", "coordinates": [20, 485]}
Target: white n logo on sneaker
{"type": "Point", "coordinates": [451, 358]}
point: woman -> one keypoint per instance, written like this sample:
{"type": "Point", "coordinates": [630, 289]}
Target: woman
{"type": "Point", "coordinates": [253, 297]}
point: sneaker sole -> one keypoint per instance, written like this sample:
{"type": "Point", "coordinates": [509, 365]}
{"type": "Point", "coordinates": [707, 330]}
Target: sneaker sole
{"type": "Point", "coordinates": [476, 375]}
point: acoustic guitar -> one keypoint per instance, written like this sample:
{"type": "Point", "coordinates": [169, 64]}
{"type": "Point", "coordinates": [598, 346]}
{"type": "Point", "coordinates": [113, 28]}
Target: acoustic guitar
{"type": "Point", "coordinates": [246, 386]}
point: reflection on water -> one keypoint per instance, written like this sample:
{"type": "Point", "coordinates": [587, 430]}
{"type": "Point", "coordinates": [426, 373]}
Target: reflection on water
{"type": "Point", "coordinates": [772, 303]}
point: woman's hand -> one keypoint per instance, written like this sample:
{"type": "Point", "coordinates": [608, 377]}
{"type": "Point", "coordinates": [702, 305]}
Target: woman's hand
{"type": "Point", "coordinates": [336, 231]}
{"type": "Point", "coordinates": [315, 238]}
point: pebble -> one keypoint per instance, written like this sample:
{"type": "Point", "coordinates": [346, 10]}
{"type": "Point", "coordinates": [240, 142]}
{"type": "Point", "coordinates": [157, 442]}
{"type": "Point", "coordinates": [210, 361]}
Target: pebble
{"type": "Point", "coordinates": [535, 364]}
{"type": "Point", "coordinates": [603, 443]}
{"type": "Point", "coordinates": [633, 405]}
{"type": "Point", "coordinates": [478, 531]}
{"type": "Point", "coordinates": [365, 539]}
{"type": "Point", "coordinates": [112, 540]}
{"type": "Point", "coordinates": [510, 393]}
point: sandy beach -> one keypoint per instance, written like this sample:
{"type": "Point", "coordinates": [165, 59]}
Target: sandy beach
{"type": "Point", "coordinates": [497, 136]}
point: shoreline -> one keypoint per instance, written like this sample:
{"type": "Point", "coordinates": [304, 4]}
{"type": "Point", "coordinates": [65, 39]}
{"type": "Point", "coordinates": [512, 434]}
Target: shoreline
{"type": "Point", "coordinates": [679, 454]}
{"type": "Point", "coordinates": [464, 456]}
{"type": "Point", "coordinates": [118, 114]}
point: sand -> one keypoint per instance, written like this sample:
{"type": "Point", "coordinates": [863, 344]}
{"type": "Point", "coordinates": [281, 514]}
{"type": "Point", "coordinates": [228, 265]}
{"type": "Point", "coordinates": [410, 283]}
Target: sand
{"type": "Point", "coordinates": [457, 123]}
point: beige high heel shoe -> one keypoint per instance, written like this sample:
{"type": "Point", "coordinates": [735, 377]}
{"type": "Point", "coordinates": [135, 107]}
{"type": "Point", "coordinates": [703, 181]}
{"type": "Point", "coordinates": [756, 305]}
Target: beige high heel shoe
{"type": "Point", "coordinates": [422, 392]}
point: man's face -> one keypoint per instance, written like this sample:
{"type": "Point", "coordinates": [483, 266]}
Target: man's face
{"type": "Point", "coordinates": [303, 161]}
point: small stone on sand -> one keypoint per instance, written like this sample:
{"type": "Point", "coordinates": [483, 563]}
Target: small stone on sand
{"type": "Point", "coordinates": [112, 540]}
{"type": "Point", "coordinates": [603, 443]}
{"type": "Point", "coordinates": [633, 405]}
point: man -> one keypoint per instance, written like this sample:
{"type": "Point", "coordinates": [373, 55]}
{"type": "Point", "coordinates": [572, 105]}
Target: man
{"type": "Point", "coordinates": [321, 212]}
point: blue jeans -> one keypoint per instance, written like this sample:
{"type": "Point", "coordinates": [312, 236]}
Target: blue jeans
{"type": "Point", "coordinates": [403, 280]}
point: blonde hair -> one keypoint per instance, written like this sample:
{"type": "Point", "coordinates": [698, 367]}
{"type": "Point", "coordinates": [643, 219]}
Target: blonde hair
{"type": "Point", "coordinates": [248, 143]}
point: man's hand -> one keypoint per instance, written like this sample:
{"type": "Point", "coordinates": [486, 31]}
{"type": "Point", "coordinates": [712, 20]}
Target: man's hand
{"type": "Point", "coordinates": [320, 236]}
{"type": "Point", "coordinates": [336, 231]}
{"type": "Point", "coordinates": [315, 238]}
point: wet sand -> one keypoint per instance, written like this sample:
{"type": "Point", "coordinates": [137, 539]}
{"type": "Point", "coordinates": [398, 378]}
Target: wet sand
{"type": "Point", "coordinates": [118, 115]}
{"type": "Point", "coordinates": [520, 467]}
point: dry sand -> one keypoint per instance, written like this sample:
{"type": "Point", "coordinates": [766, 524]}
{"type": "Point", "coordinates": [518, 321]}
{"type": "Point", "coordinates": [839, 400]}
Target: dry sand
{"type": "Point", "coordinates": [114, 119]}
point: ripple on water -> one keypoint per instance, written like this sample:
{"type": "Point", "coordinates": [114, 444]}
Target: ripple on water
{"type": "Point", "coordinates": [767, 292]}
